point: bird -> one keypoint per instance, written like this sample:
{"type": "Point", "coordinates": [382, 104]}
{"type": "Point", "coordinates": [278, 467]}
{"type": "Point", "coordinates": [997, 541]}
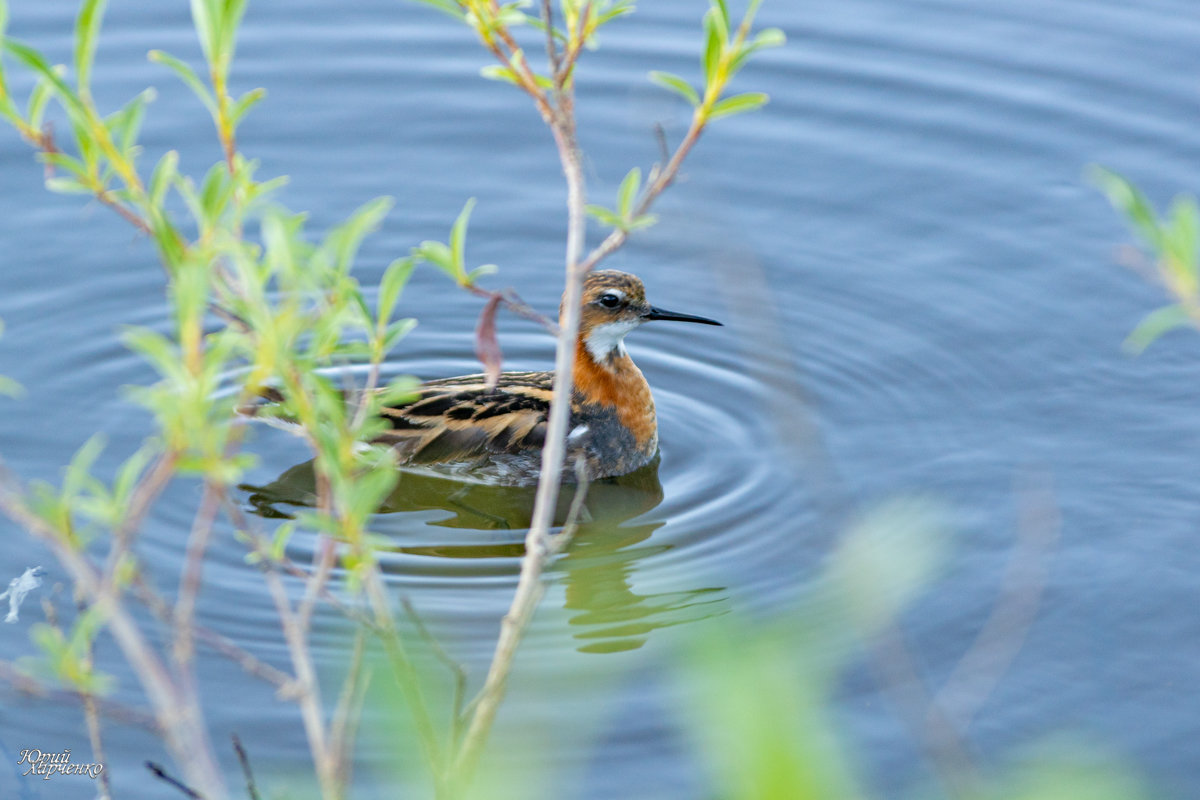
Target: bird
{"type": "Point", "coordinates": [464, 427]}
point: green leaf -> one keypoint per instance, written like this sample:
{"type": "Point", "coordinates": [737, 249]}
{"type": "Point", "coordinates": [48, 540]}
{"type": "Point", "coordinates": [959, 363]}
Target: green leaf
{"type": "Point", "coordinates": [204, 18]}
{"type": "Point", "coordinates": [65, 162]}
{"type": "Point", "coordinates": [126, 124]}
{"type": "Point", "coordinates": [155, 348]}
{"type": "Point", "coordinates": [539, 24]}
{"type": "Point", "coordinates": [280, 540]}
{"type": "Point", "coordinates": [38, 98]}
{"type": "Point", "coordinates": [1128, 199]}
{"type": "Point", "coordinates": [713, 48]}
{"type": "Point", "coordinates": [885, 560]}
{"type": "Point", "coordinates": [738, 104]}
{"type": "Point", "coordinates": [1154, 325]}
{"type": "Point", "coordinates": [769, 37]}
{"type": "Point", "coordinates": [77, 475]}
{"type": "Point", "coordinates": [495, 72]}
{"type": "Point", "coordinates": [246, 102]}
{"type": "Point", "coordinates": [87, 35]}
{"type": "Point", "coordinates": [628, 191]}
{"type": "Point", "coordinates": [618, 10]}
{"type": "Point", "coordinates": [447, 7]}
{"type": "Point", "coordinates": [1181, 237]}
{"type": "Point", "coordinates": [480, 271]}
{"type": "Point", "coordinates": [458, 238]}
{"type": "Point", "coordinates": [676, 84]}
{"type": "Point", "coordinates": [36, 62]}
{"type": "Point", "coordinates": [229, 15]}
{"type": "Point", "coordinates": [343, 242]}
{"type": "Point", "coordinates": [397, 331]}
{"type": "Point", "coordinates": [395, 278]}
{"type": "Point", "coordinates": [722, 10]}
{"type": "Point", "coordinates": [187, 75]}
{"type": "Point", "coordinates": [6, 105]}
{"type": "Point", "coordinates": [66, 186]}
{"type": "Point", "coordinates": [130, 472]}
{"type": "Point", "coordinates": [403, 389]}
{"type": "Point", "coordinates": [604, 215]}
{"type": "Point", "coordinates": [162, 177]}
{"type": "Point", "coordinates": [638, 223]}
{"type": "Point", "coordinates": [10, 388]}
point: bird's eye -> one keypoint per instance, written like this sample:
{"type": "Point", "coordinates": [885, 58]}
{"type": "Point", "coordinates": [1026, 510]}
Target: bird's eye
{"type": "Point", "coordinates": [610, 300]}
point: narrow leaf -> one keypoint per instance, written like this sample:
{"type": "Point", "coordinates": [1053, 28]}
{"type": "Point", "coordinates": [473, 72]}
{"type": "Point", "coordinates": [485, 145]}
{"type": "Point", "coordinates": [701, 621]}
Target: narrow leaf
{"type": "Point", "coordinates": [36, 62]}
{"type": "Point", "coordinates": [458, 239]}
{"type": "Point", "coordinates": [487, 348]}
{"type": "Point", "coordinates": [676, 84]}
{"type": "Point", "coordinates": [66, 186]}
{"type": "Point", "coordinates": [627, 193]}
{"type": "Point", "coordinates": [447, 7]}
{"type": "Point", "coordinates": [604, 215]}
{"type": "Point", "coordinates": [1154, 325]}
{"type": "Point", "coordinates": [770, 37]}
{"type": "Point", "coordinates": [495, 72]}
{"type": "Point", "coordinates": [397, 331]}
{"type": "Point", "coordinates": [723, 12]}
{"type": "Point", "coordinates": [162, 177]}
{"type": "Point", "coordinates": [400, 390]}
{"type": "Point", "coordinates": [393, 282]}
{"type": "Point", "coordinates": [10, 388]}
{"type": "Point", "coordinates": [246, 102]}
{"type": "Point", "coordinates": [188, 76]}
{"type": "Point", "coordinates": [1128, 199]}
{"type": "Point", "coordinates": [738, 104]}
{"type": "Point", "coordinates": [712, 50]}
{"type": "Point", "coordinates": [87, 35]}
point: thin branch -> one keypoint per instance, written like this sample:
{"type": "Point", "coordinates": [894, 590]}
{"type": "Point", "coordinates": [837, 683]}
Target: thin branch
{"type": "Point", "coordinates": [91, 716]}
{"type": "Point", "coordinates": [157, 771]}
{"type": "Point", "coordinates": [408, 680]}
{"type": "Point", "coordinates": [552, 55]}
{"type": "Point", "coordinates": [149, 488]}
{"type": "Point", "coordinates": [189, 581]}
{"type": "Point", "coordinates": [460, 674]}
{"type": "Point", "coordinates": [323, 560]}
{"type": "Point", "coordinates": [342, 728]}
{"type": "Point", "coordinates": [513, 302]}
{"type": "Point", "coordinates": [244, 761]}
{"type": "Point", "coordinates": [115, 711]}
{"type": "Point", "coordinates": [979, 670]}
{"type": "Point", "coordinates": [285, 684]}
{"type": "Point", "coordinates": [944, 747]}
{"type": "Point", "coordinates": [105, 196]}
{"type": "Point", "coordinates": [664, 178]}
{"type": "Point", "coordinates": [262, 549]}
{"type": "Point", "coordinates": [308, 695]}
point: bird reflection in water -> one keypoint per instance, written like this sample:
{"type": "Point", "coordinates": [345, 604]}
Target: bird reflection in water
{"type": "Point", "coordinates": [597, 569]}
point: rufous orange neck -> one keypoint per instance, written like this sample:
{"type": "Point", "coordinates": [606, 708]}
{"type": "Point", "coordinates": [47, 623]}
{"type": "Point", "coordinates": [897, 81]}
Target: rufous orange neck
{"type": "Point", "coordinates": [617, 383]}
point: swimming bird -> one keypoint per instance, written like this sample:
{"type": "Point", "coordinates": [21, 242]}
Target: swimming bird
{"type": "Point", "coordinates": [461, 426]}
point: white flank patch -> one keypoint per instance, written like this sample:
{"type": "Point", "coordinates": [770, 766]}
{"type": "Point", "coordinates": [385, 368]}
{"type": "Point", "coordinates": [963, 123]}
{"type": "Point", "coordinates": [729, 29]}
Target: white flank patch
{"type": "Point", "coordinates": [608, 338]}
{"type": "Point", "coordinates": [577, 433]}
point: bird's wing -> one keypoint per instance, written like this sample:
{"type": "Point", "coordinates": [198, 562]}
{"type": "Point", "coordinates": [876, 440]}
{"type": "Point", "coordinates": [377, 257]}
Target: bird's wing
{"type": "Point", "coordinates": [461, 418]}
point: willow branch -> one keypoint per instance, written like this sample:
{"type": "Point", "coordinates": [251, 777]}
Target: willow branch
{"type": "Point", "coordinates": [664, 177]}
{"type": "Point", "coordinates": [187, 741]}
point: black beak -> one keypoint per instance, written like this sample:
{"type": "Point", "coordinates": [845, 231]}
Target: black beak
{"type": "Point", "coordinates": [658, 313]}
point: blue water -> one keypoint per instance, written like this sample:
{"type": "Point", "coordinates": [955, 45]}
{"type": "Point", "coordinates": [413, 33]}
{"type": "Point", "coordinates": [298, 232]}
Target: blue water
{"type": "Point", "coordinates": [904, 234]}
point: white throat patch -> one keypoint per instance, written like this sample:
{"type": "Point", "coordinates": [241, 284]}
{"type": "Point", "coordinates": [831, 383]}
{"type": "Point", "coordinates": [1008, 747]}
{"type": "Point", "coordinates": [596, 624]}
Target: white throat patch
{"type": "Point", "coordinates": [609, 338]}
